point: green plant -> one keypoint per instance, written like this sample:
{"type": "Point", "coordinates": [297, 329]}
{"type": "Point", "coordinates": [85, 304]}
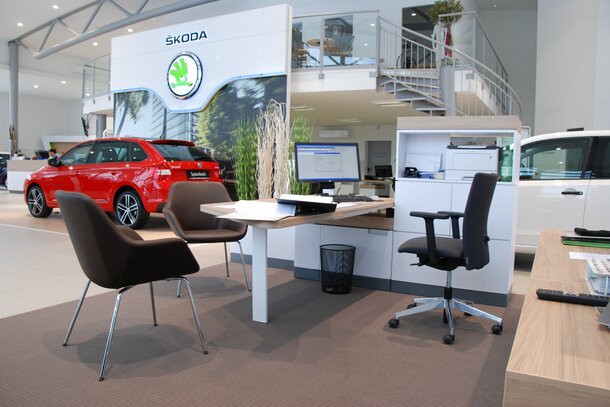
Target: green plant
{"type": "Point", "coordinates": [244, 158]}
{"type": "Point", "coordinates": [445, 7]}
{"type": "Point", "coordinates": [300, 132]}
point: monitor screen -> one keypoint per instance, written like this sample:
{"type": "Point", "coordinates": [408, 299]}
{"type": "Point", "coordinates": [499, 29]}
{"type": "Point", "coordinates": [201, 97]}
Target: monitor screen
{"type": "Point", "coordinates": [383, 171]}
{"type": "Point", "coordinates": [327, 162]}
{"type": "Point", "coordinates": [41, 154]}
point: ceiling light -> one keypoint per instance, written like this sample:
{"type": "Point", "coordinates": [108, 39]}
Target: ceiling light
{"type": "Point", "coordinates": [302, 108]}
{"type": "Point", "coordinates": [366, 44]}
{"type": "Point", "coordinates": [87, 94]}
{"type": "Point", "coordinates": [63, 82]}
{"type": "Point", "coordinates": [35, 86]}
{"type": "Point", "coordinates": [95, 44]}
{"type": "Point", "coordinates": [350, 120]}
{"type": "Point", "coordinates": [372, 24]}
{"type": "Point", "coordinates": [55, 7]}
{"type": "Point", "coordinates": [386, 102]}
{"type": "Point", "coordinates": [19, 24]}
{"type": "Point", "coordinates": [130, 30]}
{"type": "Point", "coordinates": [413, 14]}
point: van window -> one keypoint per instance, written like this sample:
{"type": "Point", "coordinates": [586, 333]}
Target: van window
{"type": "Point", "coordinates": [553, 159]}
{"type": "Point", "coordinates": [601, 159]}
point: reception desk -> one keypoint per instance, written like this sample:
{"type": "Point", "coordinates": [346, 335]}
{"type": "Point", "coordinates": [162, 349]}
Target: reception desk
{"type": "Point", "coordinates": [561, 355]}
{"type": "Point", "coordinates": [19, 170]}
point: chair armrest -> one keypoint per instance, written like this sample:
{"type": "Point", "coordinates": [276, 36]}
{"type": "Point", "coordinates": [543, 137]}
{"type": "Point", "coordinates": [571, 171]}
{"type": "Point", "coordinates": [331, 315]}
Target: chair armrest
{"type": "Point", "coordinates": [174, 223]}
{"type": "Point", "coordinates": [455, 224]}
{"type": "Point", "coordinates": [429, 218]}
{"type": "Point", "coordinates": [429, 215]}
{"type": "Point", "coordinates": [129, 233]}
{"type": "Point", "coordinates": [159, 259]}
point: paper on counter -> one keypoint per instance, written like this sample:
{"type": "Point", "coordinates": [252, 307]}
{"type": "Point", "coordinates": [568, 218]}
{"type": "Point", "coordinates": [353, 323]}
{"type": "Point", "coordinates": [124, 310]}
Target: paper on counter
{"type": "Point", "coordinates": [257, 210]}
{"type": "Point", "coordinates": [587, 256]}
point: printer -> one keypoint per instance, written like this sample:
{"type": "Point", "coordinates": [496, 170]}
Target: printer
{"type": "Point", "coordinates": [462, 162]}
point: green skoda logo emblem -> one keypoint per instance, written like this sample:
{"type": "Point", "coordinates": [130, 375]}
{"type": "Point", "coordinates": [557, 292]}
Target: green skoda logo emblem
{"type": "Point", "coordinates": [184, 75]}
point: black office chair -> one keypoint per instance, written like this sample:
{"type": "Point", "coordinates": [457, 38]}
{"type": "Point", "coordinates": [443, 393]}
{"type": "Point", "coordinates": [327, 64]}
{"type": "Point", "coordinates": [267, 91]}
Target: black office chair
{"type": "Point", "coordinates": [117, 257]}
{"type": "Point", "coordinates": [184, 216]}
{"type": "Point", "coordinates": [449, 253]}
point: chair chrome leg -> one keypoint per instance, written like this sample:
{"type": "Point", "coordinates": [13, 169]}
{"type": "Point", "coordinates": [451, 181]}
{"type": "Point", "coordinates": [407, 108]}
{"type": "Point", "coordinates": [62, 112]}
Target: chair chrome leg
{"type": "Point", "coordinates": [449, 313]}
{"type": "Point", "coordinates": [152, 302]}
{"type": "Point", "coordinates": [178, 289]}
{"type": "Point", "coordinates": [111, 330]}
{"type": "Point", "coordinates": [243, 264]}
{"type": "Point", "coordinates": [427, 306]}
{"type": "Point", "coordinates": [78, 307]}
{"type": "Point", "coordinates": [190, 293]}
{"type": "Point", "coordinates": [226, 259]}
{"type": "Point", "coordinates": [460, 305]}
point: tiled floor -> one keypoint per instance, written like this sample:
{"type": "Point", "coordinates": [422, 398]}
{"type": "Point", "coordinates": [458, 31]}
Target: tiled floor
{"type": "Point", "coordinates": [38, 267]}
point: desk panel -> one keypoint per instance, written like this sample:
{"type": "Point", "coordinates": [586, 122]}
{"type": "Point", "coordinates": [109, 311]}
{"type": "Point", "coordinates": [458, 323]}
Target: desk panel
{"type": "Point", "coordinates": [561, 355]}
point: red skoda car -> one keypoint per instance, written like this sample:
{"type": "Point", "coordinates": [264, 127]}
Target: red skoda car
{"type": "Point", "coordinates": [126, 176]}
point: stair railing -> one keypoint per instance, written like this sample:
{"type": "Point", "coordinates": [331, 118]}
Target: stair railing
{"type": "Point", "coordinates": [402, 51]}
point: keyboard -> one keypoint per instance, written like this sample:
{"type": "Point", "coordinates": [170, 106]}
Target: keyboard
{"type": "Point", "coordinates": [351, 198]}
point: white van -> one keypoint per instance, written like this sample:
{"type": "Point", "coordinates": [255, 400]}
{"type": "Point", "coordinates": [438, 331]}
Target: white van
{"type": "Point", "coordinates": [564, 183]}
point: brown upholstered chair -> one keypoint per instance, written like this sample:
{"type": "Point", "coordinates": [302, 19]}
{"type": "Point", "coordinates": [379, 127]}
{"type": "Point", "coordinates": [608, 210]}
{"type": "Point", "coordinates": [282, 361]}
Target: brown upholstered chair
{"type": "Point", "coordinates": [183, 213]}
{"type": "Point", "coordinates": [117, 257]}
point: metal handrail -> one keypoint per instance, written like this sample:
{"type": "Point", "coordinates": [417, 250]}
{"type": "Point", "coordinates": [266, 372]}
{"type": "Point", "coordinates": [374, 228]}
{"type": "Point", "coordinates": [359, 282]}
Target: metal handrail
{"type": "Point", "coordinates": [510, 102]}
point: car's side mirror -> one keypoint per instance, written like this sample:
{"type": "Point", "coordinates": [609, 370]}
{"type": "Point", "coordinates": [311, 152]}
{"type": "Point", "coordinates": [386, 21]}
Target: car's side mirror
{"type": "Point", "coordinates": [53, 161]}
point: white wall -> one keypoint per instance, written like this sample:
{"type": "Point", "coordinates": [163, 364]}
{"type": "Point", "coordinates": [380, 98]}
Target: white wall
{"type": "Point", "coordinates": [40, 117]}
{"type": "Point", "coordinates": [513, 35]}
{"type": "Point", "coordinates": [360, 135]}
{"type": "Point", "coordinates": [572, 86]}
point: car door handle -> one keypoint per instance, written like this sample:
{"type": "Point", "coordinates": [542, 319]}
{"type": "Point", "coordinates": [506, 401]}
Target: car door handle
{"type": "Point", "coordinates": [571, 191]}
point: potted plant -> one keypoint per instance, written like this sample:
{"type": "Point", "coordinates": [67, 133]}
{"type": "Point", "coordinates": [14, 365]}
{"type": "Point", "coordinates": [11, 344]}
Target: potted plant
{"type": "Point", "coordinates": [442, 29]}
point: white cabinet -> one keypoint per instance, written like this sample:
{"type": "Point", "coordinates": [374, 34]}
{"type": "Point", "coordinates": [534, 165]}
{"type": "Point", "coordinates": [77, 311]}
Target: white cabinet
{"type": "Point", "coordinates": [423, 140]}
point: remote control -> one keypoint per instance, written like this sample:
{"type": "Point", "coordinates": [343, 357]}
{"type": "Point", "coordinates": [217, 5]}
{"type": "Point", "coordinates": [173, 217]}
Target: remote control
{"type": "Point", "coordinates": [574, 298]}
{"type": "Point", "coordinates": [594, 233]}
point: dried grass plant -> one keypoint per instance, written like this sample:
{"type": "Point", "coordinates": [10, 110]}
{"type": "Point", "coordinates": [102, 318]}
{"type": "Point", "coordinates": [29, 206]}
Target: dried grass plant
{"type": "Point", "coordinates": [281, 180]}
{"type": "Point", "coordinates": [273, 144]}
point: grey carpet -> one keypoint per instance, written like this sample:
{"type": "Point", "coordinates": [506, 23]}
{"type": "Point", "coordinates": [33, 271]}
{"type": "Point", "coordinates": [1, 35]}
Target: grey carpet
{"type": "Point", "coordinates": [317, 350]}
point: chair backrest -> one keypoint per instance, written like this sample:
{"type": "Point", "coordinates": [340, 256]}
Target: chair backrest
{"type": "Point", "coordinates": [476, 213]}
{"type": "Point", "coordinates": [184, 203]}
{"type": "Point", "coordinates": [100, 248]}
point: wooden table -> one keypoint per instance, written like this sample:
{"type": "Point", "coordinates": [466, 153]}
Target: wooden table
{"type": "Point", "coordinates": [259, 242]}
{"type": "Point", "coordinates": [561, 355]}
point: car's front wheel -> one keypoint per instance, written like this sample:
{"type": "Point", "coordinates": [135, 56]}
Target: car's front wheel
{"type": "Point", "coordinates": [129, 210]}
{"type": "Point", "coordinates": [37, 204]}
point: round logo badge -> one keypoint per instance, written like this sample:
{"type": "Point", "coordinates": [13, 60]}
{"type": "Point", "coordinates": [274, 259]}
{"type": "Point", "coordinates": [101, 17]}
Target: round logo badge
{"type": "Point", "coordinates": [184, 75]}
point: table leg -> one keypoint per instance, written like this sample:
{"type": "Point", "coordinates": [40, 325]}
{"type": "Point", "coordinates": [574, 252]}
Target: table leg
{"type": "Point", "coordinates": [259, 274]}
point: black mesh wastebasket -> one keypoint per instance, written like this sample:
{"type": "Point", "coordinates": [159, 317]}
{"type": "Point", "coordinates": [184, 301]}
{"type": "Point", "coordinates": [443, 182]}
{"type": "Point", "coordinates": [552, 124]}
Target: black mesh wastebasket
{"type": "Point", "coordinates": [337, 267]}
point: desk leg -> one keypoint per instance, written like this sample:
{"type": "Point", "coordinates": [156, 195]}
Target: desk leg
{"type": "Point", "coordinates": [259, 275]}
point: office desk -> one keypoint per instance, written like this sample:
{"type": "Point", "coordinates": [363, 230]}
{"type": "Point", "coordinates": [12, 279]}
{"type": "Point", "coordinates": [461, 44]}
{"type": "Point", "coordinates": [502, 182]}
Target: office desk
{"type": "Point", "coordinates": [259, 242]}
{"type": "Point", "coordinates": [561, 355]}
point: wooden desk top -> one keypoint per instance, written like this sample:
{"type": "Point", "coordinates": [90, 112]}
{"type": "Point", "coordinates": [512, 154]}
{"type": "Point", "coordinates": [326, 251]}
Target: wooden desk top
{"type": "Point", "coordinates": [560, 355]}
{"type": "Point", "coordinates": [360, 208]}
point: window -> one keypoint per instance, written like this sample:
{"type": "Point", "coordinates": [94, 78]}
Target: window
{"type": "Point", "coordinates": [553, 159]}
{"type": "Point", "coordinates": [601, 159]}
{"type": "Point", "coordinates": [78, 155]}
{"type": "Point", "coordinates": [110, 152]}
{"type": "Point", "coordinates": [138, 153]}
{"type": "Point", "coordinates": [181, 152]}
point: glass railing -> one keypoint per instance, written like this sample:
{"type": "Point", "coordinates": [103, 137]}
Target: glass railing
{"type": "Point", "coordinates": [469, 37]}
{"type": "Point", "coordinates": [96, 78]}
{"type": "Point", "coordinates": [334, 40]}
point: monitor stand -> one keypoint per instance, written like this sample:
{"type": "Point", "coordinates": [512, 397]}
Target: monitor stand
{"type": "Point", "coordinates": [327, 188]}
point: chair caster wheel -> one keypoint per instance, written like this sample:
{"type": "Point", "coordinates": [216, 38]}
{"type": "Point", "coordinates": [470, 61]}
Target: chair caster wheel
{"type": "Point", "coordinates": [448, 339]}
{"type": "Point", "coordinates": [496, 329]}
{"type": "Point", "coordinates": [412, 305]}
{"type": "Point", "coordinates": [393, 323]}
{"type": "Point", "coordinates": [466, 314]}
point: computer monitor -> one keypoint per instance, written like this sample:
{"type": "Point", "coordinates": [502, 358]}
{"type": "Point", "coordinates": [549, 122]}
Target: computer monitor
{"type": "Point", "coordinates": [41, 154]}
{"type": "Point", "coordinates": [327, 162]}
{"type": "Point", "coordinates": [383, 171]}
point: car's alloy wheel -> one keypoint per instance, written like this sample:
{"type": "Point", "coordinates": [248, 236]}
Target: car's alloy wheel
{"type": "Point", "coordinates": [37, 204]}
{"type": "Point", "coordinates": [130, 211]}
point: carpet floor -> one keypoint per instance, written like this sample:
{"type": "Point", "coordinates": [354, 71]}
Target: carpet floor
{"type": "Point", "coordinates": [317, 350]}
